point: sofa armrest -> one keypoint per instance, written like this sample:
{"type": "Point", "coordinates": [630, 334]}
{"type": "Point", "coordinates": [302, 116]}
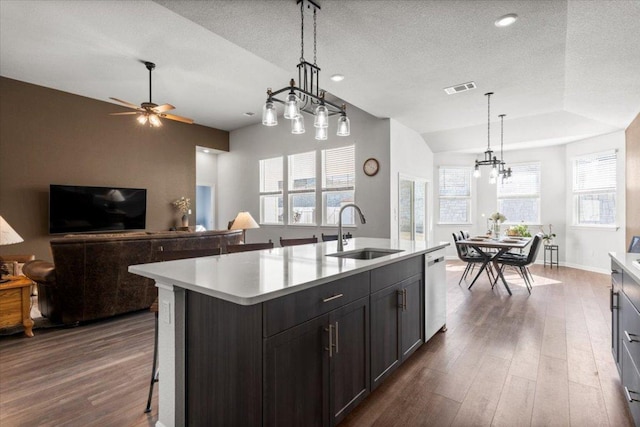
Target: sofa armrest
{"type": "Point", "coordinates": [40, 271]}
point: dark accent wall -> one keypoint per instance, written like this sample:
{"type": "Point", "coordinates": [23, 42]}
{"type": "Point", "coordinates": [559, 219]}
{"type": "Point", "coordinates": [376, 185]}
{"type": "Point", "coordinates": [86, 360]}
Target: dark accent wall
{"type": "Point", "coordinates": [53, 137]}
{"type": "Point", "coordinates": [632, 148]}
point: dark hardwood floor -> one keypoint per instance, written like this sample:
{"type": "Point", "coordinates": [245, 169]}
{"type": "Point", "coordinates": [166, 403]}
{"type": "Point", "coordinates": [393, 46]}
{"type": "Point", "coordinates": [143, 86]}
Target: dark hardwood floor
{"type": "Point", "coordinates": [522, 360]}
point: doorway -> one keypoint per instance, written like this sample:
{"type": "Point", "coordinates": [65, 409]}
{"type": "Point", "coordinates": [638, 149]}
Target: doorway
{"type": "Point", "coordinates": [412, 208]}
{"type": "Point", "coordinates": [205, 206]}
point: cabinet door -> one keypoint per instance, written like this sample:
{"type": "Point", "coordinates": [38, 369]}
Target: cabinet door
{"type": "Point", "coordinates": [296, 373]}
{"type": "Point", "coordinates": [385, 333]}
{"type": "Point", "coordinates": [349, 364]}
{"type": "Point", "coordinates": [614, 305]}
{"type": "Point", "coordinates": [412, 324]}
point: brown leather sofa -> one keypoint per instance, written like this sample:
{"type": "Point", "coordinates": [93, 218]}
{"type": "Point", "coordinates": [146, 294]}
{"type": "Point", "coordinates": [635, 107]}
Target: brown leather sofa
{"type": "Point", "coordinates": [88, 278]}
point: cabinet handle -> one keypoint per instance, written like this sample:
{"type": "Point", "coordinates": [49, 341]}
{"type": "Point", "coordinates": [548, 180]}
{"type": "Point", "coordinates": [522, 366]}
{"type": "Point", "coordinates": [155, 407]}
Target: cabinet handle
{"type": "Point", "coordinates": [613, 307]}
{"type": "Point", "coordinates": [337, 338]}
{"type": "Point", "coordinates": [332, 298]}
{"type": "Point", "coordinates": [404, 299]}
{"type": "Point", "coordinates": [628, 335]}
{"type": "Point", "coordinates": [628, 393]}
{"type": "Point", "coordinates": [400, 293]}
{"type": "Point", "coordinates": [330, 349]}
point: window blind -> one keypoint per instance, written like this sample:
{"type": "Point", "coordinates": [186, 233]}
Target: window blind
{"type": "Point", "coordinates": [519, 200]}
{"type": "Point", "coordinates": [302, 171]}
{"type": "Point", "coordinates": [454, 189]}
{"type": "Point", "coordinates": [271, 175]}
{"type": "Point", "coordinates": [338, 167]}
{"type": "Point", "coordinates": [595, 172]}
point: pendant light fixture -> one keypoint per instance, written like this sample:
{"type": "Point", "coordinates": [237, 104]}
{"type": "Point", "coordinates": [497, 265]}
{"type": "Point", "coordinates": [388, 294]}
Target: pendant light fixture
{"type": "Point", "coordinates": [489, 158]}
{"type": "Point", "coordinates": [308, 98]}
{"type": "Point", "coordinates": [503, 170]}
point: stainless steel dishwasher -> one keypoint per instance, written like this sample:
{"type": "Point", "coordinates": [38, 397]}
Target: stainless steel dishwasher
{"type": "Point", "coordinates": [435, 294]}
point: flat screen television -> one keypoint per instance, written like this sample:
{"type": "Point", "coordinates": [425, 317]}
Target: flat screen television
{"type": "Point", "coordinates": [80, 209]}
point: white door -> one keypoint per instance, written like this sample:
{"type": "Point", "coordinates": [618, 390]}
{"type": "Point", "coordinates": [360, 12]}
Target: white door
{"type": "Point", "coordinates": [412, 208]}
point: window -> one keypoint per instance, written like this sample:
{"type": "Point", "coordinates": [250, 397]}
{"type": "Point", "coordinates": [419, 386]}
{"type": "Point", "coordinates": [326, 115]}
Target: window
{"type": "Point", "coordinates": [454, 194]}
{"type": "Point", "coordinates": [271, 202]}
{"type": "Point", "coordinates": [338, 184]}
{"type": "Point", "coordinates": [594, 188]}
{"type": "Point", "coordinates": [302, 188]}
{"type": "Point", "coordinates": [519, 200]}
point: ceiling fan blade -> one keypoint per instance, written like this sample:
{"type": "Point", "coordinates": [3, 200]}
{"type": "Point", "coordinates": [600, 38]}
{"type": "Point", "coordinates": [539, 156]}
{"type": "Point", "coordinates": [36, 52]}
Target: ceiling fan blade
{"type": "Point", "coordinates": [123, 114]}
{"type": "Point", "coordinates": [177, 118]}
{"type": "Point", "coordinates": [126, 103]}
{"type": "Point", "coordinates": [162, 108]}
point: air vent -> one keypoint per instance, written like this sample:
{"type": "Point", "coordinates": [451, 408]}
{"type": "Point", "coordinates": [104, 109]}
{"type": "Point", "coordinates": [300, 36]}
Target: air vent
{"type": "Point", "coordinates": [462, 87]}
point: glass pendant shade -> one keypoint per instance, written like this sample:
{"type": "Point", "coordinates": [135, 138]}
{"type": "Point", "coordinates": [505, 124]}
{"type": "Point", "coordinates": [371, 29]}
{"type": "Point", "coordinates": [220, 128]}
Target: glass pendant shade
{"type": "Point", "coordinates": [492, 180]}
{"type": "Point", "coordinates": [494, 172]}
{"type": "Point", "coordinates": [142, 119]}
{"type": "Point", "coordinates": [476, 172]}
{"type": "Point", "coordinates": [269, 114]}
{"type": "Point", "coordinates": [297, 125]}
{"type": "Point", "coordinates": [154, 120]}
{"type": "Point", "coordinates": [321, 117]}
{"type": "Point", "coordinates": [321, 133]}
{"type": "Point", "coordinates": [344, 127]}
{"type": "Point", "coordinates": [291, 110]}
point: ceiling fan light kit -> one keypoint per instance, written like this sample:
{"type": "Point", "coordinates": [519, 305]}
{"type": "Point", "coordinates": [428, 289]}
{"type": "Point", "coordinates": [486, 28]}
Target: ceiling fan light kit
{"type": "Point", "coordinates": [148, 112]}
{"type": "Point", "coordinates": [307, 98]}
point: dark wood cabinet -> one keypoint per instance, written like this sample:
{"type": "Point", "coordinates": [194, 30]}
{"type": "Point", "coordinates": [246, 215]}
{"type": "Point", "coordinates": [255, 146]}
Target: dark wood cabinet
{"type": "Point", "coordinates": [397, 326]}
{"type": "Point", "coordinates": [297, 375]}
{"type": "Point", "coordinates": [315, 373]}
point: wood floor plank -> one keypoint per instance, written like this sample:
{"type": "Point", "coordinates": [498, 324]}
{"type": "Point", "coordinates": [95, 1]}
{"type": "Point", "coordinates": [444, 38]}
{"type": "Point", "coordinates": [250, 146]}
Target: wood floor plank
{"type": "Point", "coordinates": [551, 404]}
{"type": "Point", "coordinates": [586, 406]}
{"type": "Point", "coordinates": [516, 403]}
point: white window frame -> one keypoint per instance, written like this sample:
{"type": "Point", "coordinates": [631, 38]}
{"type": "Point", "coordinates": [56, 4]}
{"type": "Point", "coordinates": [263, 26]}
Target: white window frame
{"type": "Point", "coordinates": [467, 197]}
{"type": "Point", "coordinates": [327, 190]}
{"type": "Point", "coordinates": [292, 192]}
{"type": "Point", "coordinates": [262, 193]}
{"type": "Point", "coordinates": [594, 190]}
{"type": "Point", "coordinates": [536, 195]}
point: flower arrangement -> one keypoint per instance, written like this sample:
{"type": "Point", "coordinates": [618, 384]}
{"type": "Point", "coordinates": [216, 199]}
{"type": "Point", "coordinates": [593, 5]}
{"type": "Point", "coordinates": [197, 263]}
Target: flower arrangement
{"type": "Point", "coordinates": [182, 205]}
{"type": "Point", "coordinates": [547, 238]}
{"type": "Point", "coordinates": [497, 217]}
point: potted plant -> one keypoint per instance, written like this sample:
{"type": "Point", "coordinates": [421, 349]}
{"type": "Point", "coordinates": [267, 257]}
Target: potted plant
{"type": "Point", "coordinates": [547, 238]}
{"type": "Point", "coordinates": [520, 230]}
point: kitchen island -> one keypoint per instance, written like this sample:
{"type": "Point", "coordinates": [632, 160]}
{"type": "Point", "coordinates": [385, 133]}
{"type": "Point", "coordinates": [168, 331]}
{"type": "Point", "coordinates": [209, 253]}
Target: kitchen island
{"type": "Point", "coordinates": [287, 336]}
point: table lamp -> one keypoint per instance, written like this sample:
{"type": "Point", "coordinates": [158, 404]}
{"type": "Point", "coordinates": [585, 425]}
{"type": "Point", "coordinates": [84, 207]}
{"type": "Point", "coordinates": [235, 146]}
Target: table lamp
{"type": "Point", "coordinates": [243, 222]}
{"type": "Point", "coordinates": [8, 236]}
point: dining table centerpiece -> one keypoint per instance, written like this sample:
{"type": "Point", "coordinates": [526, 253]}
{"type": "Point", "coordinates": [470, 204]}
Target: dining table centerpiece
{"type": "Point", "coordinates": [497, 219]}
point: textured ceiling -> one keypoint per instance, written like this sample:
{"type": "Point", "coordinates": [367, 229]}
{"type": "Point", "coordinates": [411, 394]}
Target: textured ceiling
{"type": "Point", "coordinates": [564, 71]}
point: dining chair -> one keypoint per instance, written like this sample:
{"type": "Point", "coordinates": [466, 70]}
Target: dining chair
{"type": "Point", "coordinates": [294, 242]}
{"type": "Point", "coordinates": [634, 246]}
{"type": "Point", "coordinates": [471, 259]}
{"type": "Point", "coordinates": [523, 262]}
{"type": "Point", "coordinates": [330, 237]}
{"type": "Point", "coordinates": [249, 247]}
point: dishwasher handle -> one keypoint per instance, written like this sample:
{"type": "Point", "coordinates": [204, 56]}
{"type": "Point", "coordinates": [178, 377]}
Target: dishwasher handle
{"type": "Point", "coordinates": [435, 261]}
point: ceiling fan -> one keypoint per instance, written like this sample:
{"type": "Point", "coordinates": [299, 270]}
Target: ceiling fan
{"type": "Point", "coordinates": [148, 112]}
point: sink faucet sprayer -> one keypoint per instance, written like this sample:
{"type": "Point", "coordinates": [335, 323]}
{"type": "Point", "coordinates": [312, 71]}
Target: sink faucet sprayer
{"type": "Point", "coordinates": [362, 220]}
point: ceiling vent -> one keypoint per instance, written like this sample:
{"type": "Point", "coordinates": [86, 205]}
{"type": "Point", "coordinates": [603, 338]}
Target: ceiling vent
{"type": "Point", "coordinates": [462, 87]}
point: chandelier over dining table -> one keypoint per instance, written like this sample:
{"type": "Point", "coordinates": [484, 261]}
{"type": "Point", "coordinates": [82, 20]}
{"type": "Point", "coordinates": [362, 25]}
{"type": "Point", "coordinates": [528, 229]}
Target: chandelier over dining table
{"type": "Point", "coordinates": [308, 97]}
{"type": "Point", "coordinates": [498, 167]}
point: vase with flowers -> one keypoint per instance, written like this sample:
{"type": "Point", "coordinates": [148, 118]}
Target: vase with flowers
{"type": "Point", "coordinates": [183, 205]}
{"type": "Point", "coordinates": [547, 238]}
{"type": "Point", "coordinates": [497, 219]}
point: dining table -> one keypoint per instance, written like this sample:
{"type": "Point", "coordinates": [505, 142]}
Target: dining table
{"type": "Point", "coordinates": [483, 244]}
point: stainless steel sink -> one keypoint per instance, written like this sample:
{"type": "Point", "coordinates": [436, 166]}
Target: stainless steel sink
{"type": "Point", "coordinates": [366, 253]}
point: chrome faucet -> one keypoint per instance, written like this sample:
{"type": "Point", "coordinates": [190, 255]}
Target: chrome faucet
{"type": "Point", "coordinates": [362, 220]}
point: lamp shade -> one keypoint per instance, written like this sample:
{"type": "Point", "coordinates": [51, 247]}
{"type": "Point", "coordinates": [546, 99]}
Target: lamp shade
{"type": "Point", "coordinates": [8, 235]}
{"type": "Point", "coordinates": [244, 221]}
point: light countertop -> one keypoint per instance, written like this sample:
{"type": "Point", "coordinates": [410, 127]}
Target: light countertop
{"type": "Point", "coordinates": [253, 277]}
{"type": "Point", "coordinates": [626, 260]}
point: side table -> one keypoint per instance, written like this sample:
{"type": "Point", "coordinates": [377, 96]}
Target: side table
{"type": "Point", "coordinates": [553, 251]}
{"type": "Point", "coordinates": [15, 303]}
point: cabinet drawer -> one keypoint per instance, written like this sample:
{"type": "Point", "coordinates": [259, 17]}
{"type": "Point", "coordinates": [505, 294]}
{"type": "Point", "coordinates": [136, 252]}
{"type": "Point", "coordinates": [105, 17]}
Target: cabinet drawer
{"type": "Point", "coordinates": [630, 327]}
{"type": "Point", "coordinates": [632, 289]}
{"type": "Point", "coordinates": [631, 384]}
{"type": "Point", "coordinates": [285, 312]}
{"type": "Point", "coordinates": [394, 273]}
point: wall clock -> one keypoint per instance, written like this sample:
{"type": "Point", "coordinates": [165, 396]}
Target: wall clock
{"type": "Point", "coordinates": [371, 167]}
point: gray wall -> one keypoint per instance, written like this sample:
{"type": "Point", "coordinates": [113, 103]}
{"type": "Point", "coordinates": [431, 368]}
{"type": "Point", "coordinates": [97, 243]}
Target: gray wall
{"type": "Point", "coordinates": [238, 173]}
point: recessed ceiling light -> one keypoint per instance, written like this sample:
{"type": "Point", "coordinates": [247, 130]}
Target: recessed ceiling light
{"type": "Point", "coordinates": [506, 20]}
{"type": "Point", "coordinates": [206, 151]}
{"type": "Point", "coordinates": [249, 113]}
{"type": "Point", "coordinates": [337, 77]}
